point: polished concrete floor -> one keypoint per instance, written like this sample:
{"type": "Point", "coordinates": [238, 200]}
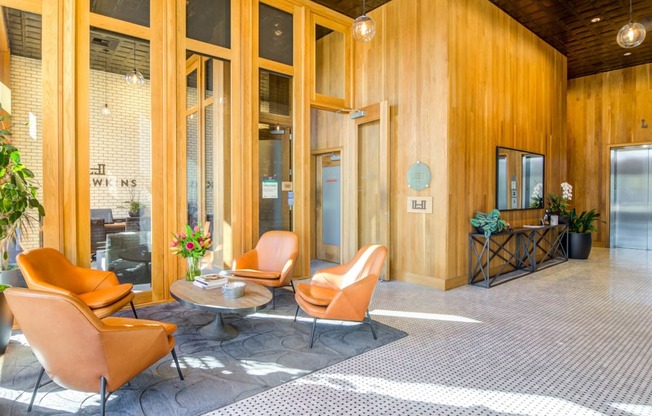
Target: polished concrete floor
{"type": "Point", "coordinates": [574, 339]}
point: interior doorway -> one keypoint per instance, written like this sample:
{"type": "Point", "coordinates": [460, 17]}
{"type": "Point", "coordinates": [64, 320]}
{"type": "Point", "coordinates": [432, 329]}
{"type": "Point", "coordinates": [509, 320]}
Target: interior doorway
{"type": "Point", "coordinates": [328, 207]}
{"type": "Point", "coordinates": [631, 193]}
{"type": "Point", "coordinates": [367, 181]}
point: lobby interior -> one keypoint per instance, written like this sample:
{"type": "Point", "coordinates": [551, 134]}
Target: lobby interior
{"type": "Point", "coordinates": [245, 107]}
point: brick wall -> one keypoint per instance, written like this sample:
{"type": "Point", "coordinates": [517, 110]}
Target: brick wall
{"type": "Point", "coordinates": [26, 90]}
{"type": "Point", "coordinates": [121, 141]}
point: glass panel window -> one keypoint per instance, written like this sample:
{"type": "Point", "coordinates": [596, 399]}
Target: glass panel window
{"type": "Point", "coordinates": [132, 11]}
{"type": "Point", "coordinates": [24, 105]}
{"type": "Point", "coordinates": [275, 199]}
{"type": "Point", "coordinates": [209, 152]}
{"type": "Point", "coordinates": [209, 21]}
{"type": "Point", "coordinates": [120, 159]}
{"type": "Point", "coordinates": [275, 34]}
{"type": "Point", "coordinates": [329, 62]}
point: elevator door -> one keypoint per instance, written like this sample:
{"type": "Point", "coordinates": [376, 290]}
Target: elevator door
{"type": "Point", "coordinates": [631, 225]}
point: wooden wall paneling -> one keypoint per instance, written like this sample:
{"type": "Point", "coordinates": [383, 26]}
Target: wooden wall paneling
{"type": "Point", "coordinates": [52, 138]}
{"type": "Point", "coordinates": [451, 115]}
{"type": "Point", "coordinates": [163, 101]}
{"type": "Point", "coordinates": [75, 80]}
{"type": "Point", "coordinates": [604, 111]}
{"type": "Point", "coordinates": [174, 192]}
{"type": "Point", "coordinates": [240, 68]}
{"type": "Point", "coordinates": [512, 96]}
{"type": "Point", "coordinates": [301, 142]}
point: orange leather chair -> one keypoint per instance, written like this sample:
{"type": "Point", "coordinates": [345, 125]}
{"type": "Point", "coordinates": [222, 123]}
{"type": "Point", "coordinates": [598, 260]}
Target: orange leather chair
{"type": "Point", "coordinates": [79, 351]}
{"type": "Point", "coordinates": [47, 269]}
{"type": "Point", "coordinates": [343, 292]}
{"type": "Point", "coordinates": [271, 262]}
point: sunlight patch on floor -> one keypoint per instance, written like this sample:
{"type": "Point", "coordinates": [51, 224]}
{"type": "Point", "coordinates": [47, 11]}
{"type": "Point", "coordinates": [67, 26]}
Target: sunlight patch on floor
{"type": "Point", "coordinates": [258, 368]}
{"type": "Point", "coordinates": [635, 409]}
{"type": "Point", "coordinates": [497, 401]}
{"type": "Point", "coordinates": [421, 315]}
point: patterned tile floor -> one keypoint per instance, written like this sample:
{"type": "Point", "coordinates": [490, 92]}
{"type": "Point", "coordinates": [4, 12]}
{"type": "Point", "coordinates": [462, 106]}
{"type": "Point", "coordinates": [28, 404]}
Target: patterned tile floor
{"type": "Point", "coordinates": [574, 339]}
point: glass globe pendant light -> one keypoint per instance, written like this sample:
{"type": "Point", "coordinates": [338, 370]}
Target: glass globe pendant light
{"type": "Point", "coordinates": [632, 34]}
{"type": "Point", "coordinates": [134, 77]}
{"type": "Point", "coordinates": [364, 27]}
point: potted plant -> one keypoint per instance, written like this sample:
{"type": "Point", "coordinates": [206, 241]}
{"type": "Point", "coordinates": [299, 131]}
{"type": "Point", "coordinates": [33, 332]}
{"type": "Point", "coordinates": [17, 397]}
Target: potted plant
{"type": "Point", "coordinates": [6, 320]}
{"type": "Point", "coordinates": [133, 204]}
{"type": "Point", "coordinates": [559, 204]}
{"type": "Point", "coordinates": [580, 239]}
{"type": "Point", "coordinates": [488, 223]}
{"type": "Point", "coordinates": [18, 202]}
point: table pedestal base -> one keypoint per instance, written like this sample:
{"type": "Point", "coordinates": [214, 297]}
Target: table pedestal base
{"type": "Point", "coordinates": [218, 330]}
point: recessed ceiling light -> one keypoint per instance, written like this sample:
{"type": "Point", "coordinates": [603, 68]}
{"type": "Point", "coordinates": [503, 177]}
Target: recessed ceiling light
{"type": "Point", "coordinates": [627, 53]}
{"type": "Point", "coordinates": [596, 19]}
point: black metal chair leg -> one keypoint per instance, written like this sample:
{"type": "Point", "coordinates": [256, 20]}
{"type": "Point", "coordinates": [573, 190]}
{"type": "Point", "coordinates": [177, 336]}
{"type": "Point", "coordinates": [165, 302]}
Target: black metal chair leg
{"type": "Point", "coordinates": [296, 313]}
{"type": "Point", "coordinates": [103, 395]}
{"type": "Point", "coordinates": [38, 382]}
{"type": "Point", "coordinates": [133, 308]}
{"type": "Point", "coordinates": [273, 298]}
{"type": "Point", "coordinates": [292, 284]}
{"type": "Point", "coordinates": [370, 322]}
{"type": "Point", "coordinates": [312, 336]}
{"type": "Point", "coordinates": [176, 361]}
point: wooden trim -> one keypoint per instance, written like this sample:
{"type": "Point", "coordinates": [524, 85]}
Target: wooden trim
{"type": "Point", "coordinates": [208, 49]}
{"type": "Point", "coordinates": [326, 150]}
{"type": "Point", "coordinates": [51, 119]}
{"type": "Point", "coordinates": [274, 66]}
{"type": "Point", "coordinates": [120, 26]}
{"type": "Point", "coordinates": [326, 102]}
{"type": "Point", "coordinates": [31, 6]}
{"type": "Point", "coordinates": [301, 147]}
{"type": "Point", "coordinates": [5, 55]}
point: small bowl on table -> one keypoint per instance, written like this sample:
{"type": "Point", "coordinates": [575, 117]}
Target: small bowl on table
{"type": "Point", "coordinates": [233, 290]}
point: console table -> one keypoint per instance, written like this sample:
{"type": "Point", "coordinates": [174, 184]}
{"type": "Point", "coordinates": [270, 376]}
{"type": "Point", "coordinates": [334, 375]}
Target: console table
{"type": "Point", "coordinates": [512, 254]}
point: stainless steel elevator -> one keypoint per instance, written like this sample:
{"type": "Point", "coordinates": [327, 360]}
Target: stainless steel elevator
{"type": "Point", "coordinates": [631, 192]}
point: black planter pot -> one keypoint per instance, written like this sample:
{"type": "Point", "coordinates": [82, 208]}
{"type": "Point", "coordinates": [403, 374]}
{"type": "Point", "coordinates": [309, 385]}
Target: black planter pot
{"type": "Point", "coordinates": [579, 245]}
{"type": "Point", "coordinates": [564, 219]}
{"type": "Point", "coordinates": [6, 322]}
{"type": "Point", "coordinates": [479, 230]}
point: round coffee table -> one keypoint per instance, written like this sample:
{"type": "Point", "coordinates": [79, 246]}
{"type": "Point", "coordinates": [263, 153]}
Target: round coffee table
{"type": "Point", "coordinates": [256, 297]}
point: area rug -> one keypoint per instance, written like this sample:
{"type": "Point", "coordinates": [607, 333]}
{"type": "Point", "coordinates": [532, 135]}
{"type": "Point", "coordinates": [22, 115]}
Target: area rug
{"type": "Point", "coordinates": [270, 350]}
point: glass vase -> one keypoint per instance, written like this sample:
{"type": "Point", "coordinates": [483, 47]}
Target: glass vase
{"type": "Point", "coordinates": [193, 268]}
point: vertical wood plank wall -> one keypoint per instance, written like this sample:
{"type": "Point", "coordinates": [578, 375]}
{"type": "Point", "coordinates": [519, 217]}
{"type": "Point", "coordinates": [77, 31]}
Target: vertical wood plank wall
{"type": "Point", "coordinates": [455, 95]}
{"type": "Point", "coordinates": [605, 110]}
{"type": "Point", "coordinates": [508, 88]}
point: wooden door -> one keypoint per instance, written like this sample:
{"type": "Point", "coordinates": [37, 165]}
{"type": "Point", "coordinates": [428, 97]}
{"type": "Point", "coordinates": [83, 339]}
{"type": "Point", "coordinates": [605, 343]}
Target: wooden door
{"type": "Point", "coordinates": [366, 196]}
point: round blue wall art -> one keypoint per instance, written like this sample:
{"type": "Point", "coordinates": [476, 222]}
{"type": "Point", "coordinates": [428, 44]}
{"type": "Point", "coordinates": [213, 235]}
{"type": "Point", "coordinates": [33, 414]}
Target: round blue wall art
{"type": "Point", "coordinates": [418, 176]}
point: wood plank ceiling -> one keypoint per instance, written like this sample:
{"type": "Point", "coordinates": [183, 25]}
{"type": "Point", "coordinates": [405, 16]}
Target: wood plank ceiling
{"type": "Point", "coordinates": [566, 25]}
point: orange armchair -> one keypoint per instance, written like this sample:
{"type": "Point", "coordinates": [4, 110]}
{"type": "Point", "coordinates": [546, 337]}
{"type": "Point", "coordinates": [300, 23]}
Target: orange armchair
{"type": "Point", "coordinates": [47, 269]}
{"type": "Point", "coordinates": [343, 292]}
{"type": "Point", "coordinates": [271, 262]}
{"type": "Point", "coordinates": [79, 351]}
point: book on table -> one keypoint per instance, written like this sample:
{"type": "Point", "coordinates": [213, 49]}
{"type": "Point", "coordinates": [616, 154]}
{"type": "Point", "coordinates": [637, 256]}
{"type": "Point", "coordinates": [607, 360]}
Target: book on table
{"type": "Point", "coordinates": [210, 281]}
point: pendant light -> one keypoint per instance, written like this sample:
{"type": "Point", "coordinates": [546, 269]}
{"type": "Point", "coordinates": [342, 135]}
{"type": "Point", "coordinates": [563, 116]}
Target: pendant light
{"type": "Point", "coordinates": [632, 34]}
{"type": "Point", "coordinates": [364, 27]}
{"type": "Point", "coordinates": [105, 110]}
{"type": "Point", "coordinates": [134, 77]}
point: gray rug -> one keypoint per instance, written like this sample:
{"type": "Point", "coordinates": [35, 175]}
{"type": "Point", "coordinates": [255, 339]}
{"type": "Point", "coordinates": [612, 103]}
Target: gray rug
{"type": "Point", "coordinates": [270, 350]}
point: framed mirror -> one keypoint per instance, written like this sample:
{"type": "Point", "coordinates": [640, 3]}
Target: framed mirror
{"type": "Point", "coordinates": [519, 179]}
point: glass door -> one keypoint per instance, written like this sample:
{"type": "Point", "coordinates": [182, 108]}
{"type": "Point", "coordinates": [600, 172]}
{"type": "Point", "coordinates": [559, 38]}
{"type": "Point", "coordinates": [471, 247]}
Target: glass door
{"type": "Point", "coordinates": [275, 196]}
